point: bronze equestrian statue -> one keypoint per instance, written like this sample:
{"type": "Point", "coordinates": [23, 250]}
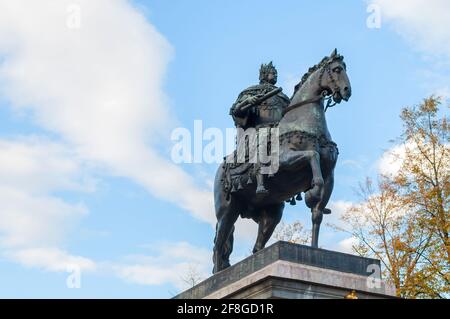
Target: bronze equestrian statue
{"type": "Point", "coordinates": [306, 154]}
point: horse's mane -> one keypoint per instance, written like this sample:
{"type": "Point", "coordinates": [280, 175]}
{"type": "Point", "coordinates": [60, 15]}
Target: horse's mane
{"type": "Point", "coordinates": [311, 70]}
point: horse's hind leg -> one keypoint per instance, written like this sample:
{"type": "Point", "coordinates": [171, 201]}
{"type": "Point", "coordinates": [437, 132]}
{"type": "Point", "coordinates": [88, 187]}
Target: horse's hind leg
{"type": "Point", "coordinates": [223, 242]}
{"type": "Point", "coordinates": [268, 220]}
{"type": "Point", "coordinates": [228, 248]}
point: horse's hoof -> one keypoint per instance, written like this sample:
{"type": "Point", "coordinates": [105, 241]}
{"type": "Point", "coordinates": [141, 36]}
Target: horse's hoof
{"type": "Point", "coordinates": [327, 211]}
{"type": "Point", "coordinates": [218, 268]}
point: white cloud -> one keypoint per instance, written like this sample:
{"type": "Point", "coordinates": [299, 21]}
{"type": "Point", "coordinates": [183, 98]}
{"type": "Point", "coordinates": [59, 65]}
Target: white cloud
{"type": "Point", "coordinates": [98, 87]}
{"type": "Point", "coordinates": [338, 208]}
{"type": "Point", "coordinates": [246, 229]}
{"type": "Point", "coordinates": [391, 161]}
{"type": "Point", "coordinates": [51, 259]}
{"type": "Point", "coordinates": [32, 221]}
{"type": "Point", "coordinates": [171, 264]}
{"type": "Point", "coordinates": [346, 245]}
{"type": "Point", "coordinates": [443, 91]}
{"type": "Point", "coordinates": [37, 165]}
{"type": "Point", "coordinates": [30, 169]}
{"type": "Point", "coordinates": [425, 24]}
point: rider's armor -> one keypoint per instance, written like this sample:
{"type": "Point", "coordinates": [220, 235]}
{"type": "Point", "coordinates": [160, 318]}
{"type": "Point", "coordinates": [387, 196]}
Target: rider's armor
{"type": "Point", "coordinates": [266, 114]}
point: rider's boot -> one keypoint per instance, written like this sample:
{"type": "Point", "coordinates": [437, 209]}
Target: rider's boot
{"type": "Point", "coordinates": [260, 188]}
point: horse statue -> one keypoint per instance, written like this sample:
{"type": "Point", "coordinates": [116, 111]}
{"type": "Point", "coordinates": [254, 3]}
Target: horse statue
{"type": "Point", "coordinates": [307, 158]}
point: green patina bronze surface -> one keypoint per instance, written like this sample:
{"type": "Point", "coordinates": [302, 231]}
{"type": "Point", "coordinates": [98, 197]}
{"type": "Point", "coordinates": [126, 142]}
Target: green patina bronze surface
{"type": "Point", "coordinates": [306, 156]}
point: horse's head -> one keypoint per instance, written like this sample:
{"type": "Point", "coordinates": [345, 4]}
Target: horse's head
{"type": "Point", "coordinates": [327, 78]}
{"type": "Point", "coordinates": [333, 79]}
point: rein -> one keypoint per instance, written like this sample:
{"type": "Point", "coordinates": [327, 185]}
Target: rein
{"type": "Point", "coordinates": [330, 102]}
{"type": "Point", "coordinates": [296, 105]}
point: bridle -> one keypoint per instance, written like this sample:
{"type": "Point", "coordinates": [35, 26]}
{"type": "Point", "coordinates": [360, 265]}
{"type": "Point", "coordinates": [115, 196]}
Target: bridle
{"type": "Point", "coordinates": [324, 94]}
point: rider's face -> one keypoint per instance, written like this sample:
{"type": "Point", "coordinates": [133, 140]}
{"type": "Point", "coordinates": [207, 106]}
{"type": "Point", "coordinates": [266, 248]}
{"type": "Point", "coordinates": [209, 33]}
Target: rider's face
{"type": "Point", "coordinates": [272, 77]}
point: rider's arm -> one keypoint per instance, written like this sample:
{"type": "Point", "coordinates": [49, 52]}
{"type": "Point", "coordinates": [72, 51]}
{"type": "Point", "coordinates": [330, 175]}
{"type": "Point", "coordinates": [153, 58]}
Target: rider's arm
{"type": "Point", "coordinates": [238, 108]}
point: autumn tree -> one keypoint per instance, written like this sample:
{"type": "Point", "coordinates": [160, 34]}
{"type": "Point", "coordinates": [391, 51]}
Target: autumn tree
{"type": "Point", "coordinates": [193, 276]}
{"type": "Point", "coordinates": [383, 228]}
{"type": "Point", "coordinates": [292, 232]}
{"type": "Point", "coordinates": [423, 180]}
{"type": "Point", "coordinates": [404, 219]}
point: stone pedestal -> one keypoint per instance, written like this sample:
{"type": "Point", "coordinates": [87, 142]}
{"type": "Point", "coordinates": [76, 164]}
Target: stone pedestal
{"type": "Point", "coordinates": [292, 271]}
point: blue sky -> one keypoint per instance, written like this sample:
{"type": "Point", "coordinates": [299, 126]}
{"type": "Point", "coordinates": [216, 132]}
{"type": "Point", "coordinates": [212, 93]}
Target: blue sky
{"type": "Point", "coordinates": [86, 113]}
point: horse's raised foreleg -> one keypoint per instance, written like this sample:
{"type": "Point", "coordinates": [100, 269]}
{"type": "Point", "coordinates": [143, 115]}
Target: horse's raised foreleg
{"type": "Point", "coordinates": [268, 219]}
{"type": "Point", "coordinates": [317, 179]}
{"type": "Point", "coordinates": [295, 159]}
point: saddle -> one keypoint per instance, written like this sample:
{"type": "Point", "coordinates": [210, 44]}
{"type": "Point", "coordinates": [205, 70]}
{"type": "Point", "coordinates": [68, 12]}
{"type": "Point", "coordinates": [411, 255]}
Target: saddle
{"type": "Point", "coordinates": [235, 174]}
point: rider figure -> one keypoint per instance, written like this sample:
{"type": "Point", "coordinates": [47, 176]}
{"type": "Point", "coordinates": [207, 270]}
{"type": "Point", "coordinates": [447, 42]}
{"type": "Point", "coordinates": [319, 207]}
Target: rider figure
{"type": "Point", "coordinates": [266, 114]}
